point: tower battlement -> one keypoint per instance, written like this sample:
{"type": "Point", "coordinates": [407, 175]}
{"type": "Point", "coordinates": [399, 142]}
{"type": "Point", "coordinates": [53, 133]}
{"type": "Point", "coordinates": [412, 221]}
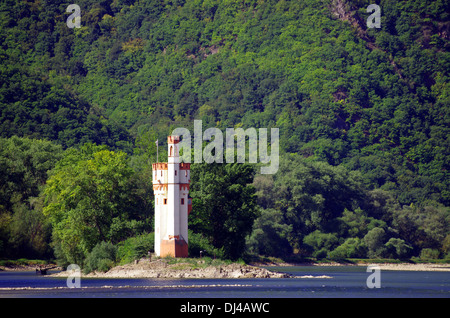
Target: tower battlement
{"type": "Point", "coordinates": [173, 139]}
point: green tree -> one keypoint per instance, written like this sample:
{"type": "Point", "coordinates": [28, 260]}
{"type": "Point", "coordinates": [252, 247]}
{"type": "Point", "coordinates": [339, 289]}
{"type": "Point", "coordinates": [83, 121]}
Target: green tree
{"type": "Point", "coordinates": [310, 195]}
{"type": "Point", "coordinates": [353, 247]}
{"type": "Point", "coordinates": [201, 246]}
{"type": "Point", "coordinates": [224, 205]}
{"type": "Point", "coordinates": [29, 231]}
{"type": "Point", "coordinates": [102, 257]}
{"type": "Point", "coordinates": [397, 248]}
{"type": "Point", "coordinates": [357, 223]}
{"type": "Point", "coordinates": [24, 163]}
{"type": "Point", "coordinates": [321, 243]}
{"type": "Point", "coordinates": [374, 240]}
{"type": "Point", "coordinates": [135, 248]}
{"type": "Point", "coordinates": [90, 197]}
{"type": "Point", "coordinates": [270, 235]}
{"type": "Point", "coordinates": [425, 227]}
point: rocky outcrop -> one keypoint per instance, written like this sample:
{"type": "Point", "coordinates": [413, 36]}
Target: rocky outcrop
{"type": "Point", "coordinates": [181, 270]}
{"type": "Point", "coordinates": [161, 269]}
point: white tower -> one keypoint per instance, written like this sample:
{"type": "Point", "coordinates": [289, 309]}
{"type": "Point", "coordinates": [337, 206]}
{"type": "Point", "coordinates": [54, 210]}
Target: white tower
{"type": "Point", "coordinates": [172, 203]}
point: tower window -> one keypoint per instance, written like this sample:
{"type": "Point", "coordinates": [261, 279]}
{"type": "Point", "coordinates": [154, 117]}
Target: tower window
{"type": "Point", "coordinates": [175, 172]}
{"type": "Point", "coordinates": [182, 200]}
{"type": "Point", "coordinates": [165, 201]}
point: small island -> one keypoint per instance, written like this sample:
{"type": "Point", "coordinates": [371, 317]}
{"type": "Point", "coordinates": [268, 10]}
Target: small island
{"type": "Point", "coordinates": [183, 268]}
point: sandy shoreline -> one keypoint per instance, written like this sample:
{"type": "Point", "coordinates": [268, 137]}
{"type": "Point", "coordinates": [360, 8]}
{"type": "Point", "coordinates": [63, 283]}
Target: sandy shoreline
{"type": "Point", "coordinates": [413, 267]}
{"type": "Point", "coordinates": [383, 266]}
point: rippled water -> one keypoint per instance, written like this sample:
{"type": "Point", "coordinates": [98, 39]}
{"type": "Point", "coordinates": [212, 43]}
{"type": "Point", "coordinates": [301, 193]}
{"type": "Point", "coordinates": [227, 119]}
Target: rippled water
{"type": "Point", "coordinates": [345, 282]}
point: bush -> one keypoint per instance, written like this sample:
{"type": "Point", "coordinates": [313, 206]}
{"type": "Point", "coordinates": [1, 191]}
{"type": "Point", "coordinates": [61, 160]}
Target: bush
{"type": "Point", "coordinates": [351, 248]}
{"type": "Point", "coordinates": [269, 235]}
{"type": "Point", "coordinates": [397, 248]}
{"type": "Point", "coordinates": [105, 264]}
{"type": "Point", "coordinates": [374, 240]}
{"type": "Point", "coordinates": [198, 243]}
{"type": "Point", "coordinates": [101, 258]}
{"type": "Point", "coordinates": [428, 253]}
{"type": "Point", "coordinates": [320, 243]}
{"type": "Point", "coordinates": [135, 248]}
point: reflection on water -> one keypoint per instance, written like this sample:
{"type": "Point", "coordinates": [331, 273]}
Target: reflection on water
{"type": "Point", "coordinates": [345, 282]}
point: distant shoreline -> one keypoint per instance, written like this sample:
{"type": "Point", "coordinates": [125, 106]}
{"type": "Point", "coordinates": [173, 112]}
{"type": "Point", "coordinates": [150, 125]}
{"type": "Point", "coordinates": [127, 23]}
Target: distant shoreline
{"type": "Point", "coordinates": [383, 266]}
{"type": "Point", "coordinates": [413, 267]}
{"type": "Point", "coordinates": [24, 268]}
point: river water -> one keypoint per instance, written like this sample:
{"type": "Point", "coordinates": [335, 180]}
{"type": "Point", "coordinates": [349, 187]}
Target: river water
{"type": "Point", "coordinates": [345, 282]}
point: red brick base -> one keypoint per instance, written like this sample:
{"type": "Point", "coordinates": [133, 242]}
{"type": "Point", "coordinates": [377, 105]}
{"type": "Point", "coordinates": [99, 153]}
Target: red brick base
{"type": "Point", "coordinates": [174, 248]}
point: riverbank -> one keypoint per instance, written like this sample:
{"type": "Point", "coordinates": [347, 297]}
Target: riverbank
{"type": "Point", "coordinates": [413, 267]}
{"type": "Point", "coordinates": [26, 265]}
{"type": "Point", "coordinates": [166, 268]}
{"type": "Point", "coordinates": [392, 266]}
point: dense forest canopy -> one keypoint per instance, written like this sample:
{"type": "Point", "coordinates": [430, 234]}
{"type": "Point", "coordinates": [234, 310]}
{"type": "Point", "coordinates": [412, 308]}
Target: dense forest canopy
{"type": "Point", "coordinates": [363, 115]}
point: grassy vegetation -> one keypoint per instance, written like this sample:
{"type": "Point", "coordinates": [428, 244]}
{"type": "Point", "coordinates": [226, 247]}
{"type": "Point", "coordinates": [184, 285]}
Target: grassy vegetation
{"type": "Point", "coordinates": [198, 263]}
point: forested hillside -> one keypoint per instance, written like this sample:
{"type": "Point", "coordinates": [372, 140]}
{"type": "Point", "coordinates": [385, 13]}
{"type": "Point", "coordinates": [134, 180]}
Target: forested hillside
{"type": "Point", "coordinates": [363, 117]}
